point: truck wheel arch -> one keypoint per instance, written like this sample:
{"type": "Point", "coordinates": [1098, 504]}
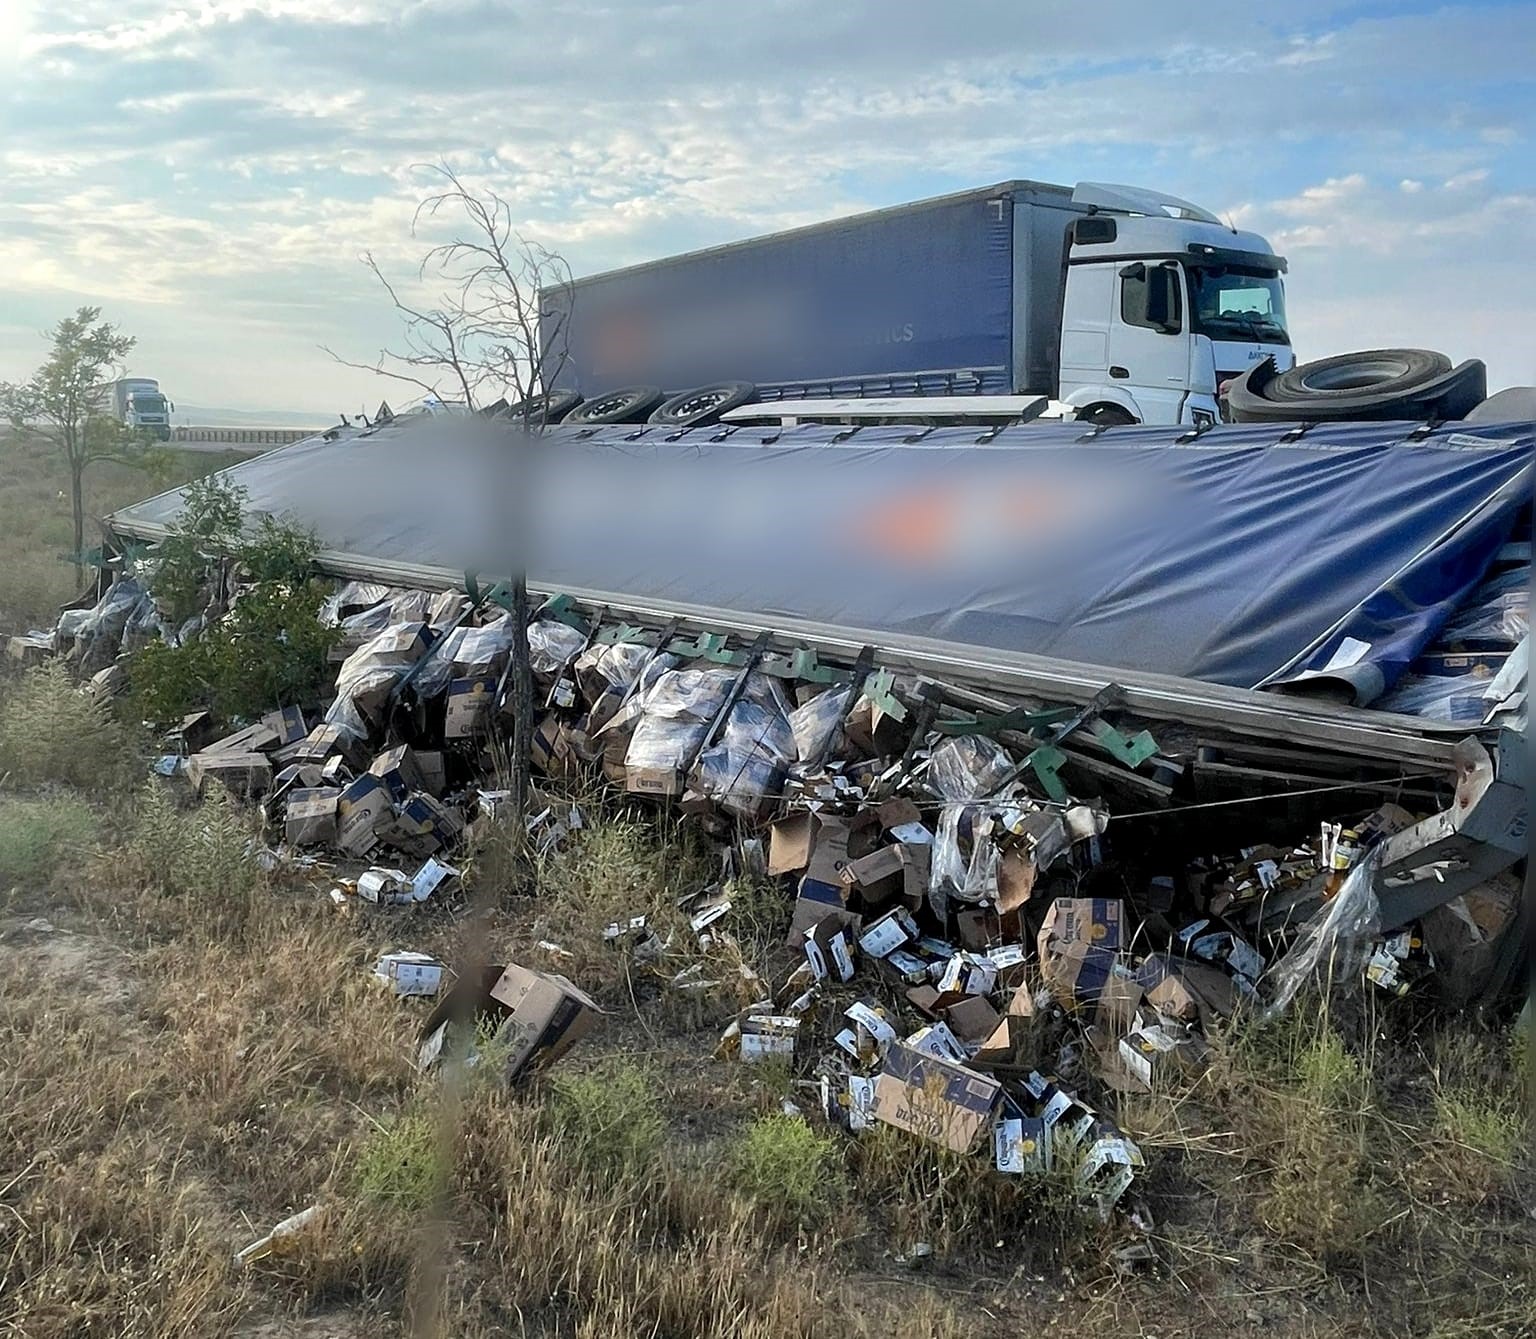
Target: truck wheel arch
{"type": "Point", "coordinates": [1086, 400]}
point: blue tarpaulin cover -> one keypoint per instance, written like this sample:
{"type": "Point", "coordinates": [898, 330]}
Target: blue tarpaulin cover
{"type": "Point", "coordinates": [1238, 557]}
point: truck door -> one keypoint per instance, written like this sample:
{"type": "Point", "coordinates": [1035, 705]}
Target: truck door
{"type": "Point", "coordinates": [1149, 338]}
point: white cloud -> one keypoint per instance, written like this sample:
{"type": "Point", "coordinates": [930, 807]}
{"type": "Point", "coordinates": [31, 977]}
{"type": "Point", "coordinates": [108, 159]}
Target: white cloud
{"type": "Point", "coordinates": [1374, 265]}
{"type": "Point", "coordinates": [236, 156]}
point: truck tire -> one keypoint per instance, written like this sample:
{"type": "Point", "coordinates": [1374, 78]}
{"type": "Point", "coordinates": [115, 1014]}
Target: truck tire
{"type": "Point", "coordinates": [703, 404]}
{"type": "Point", "coordinates": [1107, 416]}
{"type": "Point", "coordinates": [542, 410]}
{"type": "Point", "coordinates": [1369, 386]}
{"type": "Point", "coordinates": [630, 404]}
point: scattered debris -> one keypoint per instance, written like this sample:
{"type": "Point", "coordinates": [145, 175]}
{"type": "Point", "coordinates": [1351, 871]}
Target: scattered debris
{"type": "Point", "coordinates": [977, 947]}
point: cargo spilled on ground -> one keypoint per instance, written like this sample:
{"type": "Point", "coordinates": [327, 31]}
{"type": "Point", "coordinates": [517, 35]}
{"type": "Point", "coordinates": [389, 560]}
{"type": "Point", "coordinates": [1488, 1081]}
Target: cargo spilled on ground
{"type": "Point", "coordinates": [835, 1019]}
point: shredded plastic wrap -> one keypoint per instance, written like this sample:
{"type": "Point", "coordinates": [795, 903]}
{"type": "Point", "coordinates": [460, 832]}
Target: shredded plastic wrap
{"type": "Point", "coordinates": [747, 765]}
{"type": "Point", "coordinates": [1460, 698]}
{"type": "Point", "coordinates": [552, 645]}
{"type": "Point", "coordinates": [1334, 944]}
{"type": "Point", "coordinates": [351, 598]}
{"type": "Point", "coordinates": [367, 675]}
{"type": "Point", "coordinates": [616, 665]}
{"type": "Point", "coordinates": [675, 716]}
{"type": "Point", "coordinates": [817, 725]}
{"type": "Point", "coordinates": [964, 858]}
{"type": "Point", "coordinates": [1498, 611]}
{"type": "Point", "coordinates": [968, 767]}
{"type": "Point", "coordinates": [98, 632]}
{"type": "Point", "coordinates": [463, 652]}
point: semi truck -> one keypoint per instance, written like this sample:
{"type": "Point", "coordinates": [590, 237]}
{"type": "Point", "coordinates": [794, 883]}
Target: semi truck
{"type": "Point", "coordinates": [1126, 304]}
{"type": "Point", "coordinates": [137, 403]}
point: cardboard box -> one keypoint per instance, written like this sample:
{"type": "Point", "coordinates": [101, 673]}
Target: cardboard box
{"type": "Point", "coordinates": [384, 887]}
{"type": "Point", "coordinates": [1004, 1045]}
{"type": "Point", "coordinates": [888, 873]}
{"type": "Point", "coordinates": [934, 1099]}
{"type": "Point", "coordinates": [981, 929]}
{"type": "Point", "coordinates": [937, 1040]}
{"type": "Point", "coordinates": [816, 901]}
{"type": "Point", "coordinates": [1083, 920]}
{"type": "Point", "coordinates": [973, 1020]}
{"type": "Point", "coordinates": [889, 933]}
{"type": "Point", "coordinates": [429, 878]}
{"type": "Point", "coordinates": [661, 781]}
{"type": "Point", "coordinates": [912, 968]}
{"type": "Point", "coordinates": [258, 738]}
{"type": "Point", "coordinates": [768, 1036]}
{"type": "Point", "coordinates": [1187, 990]}
{"type": "Point", "coordinates": [424, 824]}
{"type": "Point", "coordinates": [1012, 963]}
{"type": "Point", "coordinates": [829, 947]}
{"type": "Point", "coordinates": [310, 818]}
{"type": "Point", "coordinates": [323, 741]}
{"type": "Point", "coordinates": [1078, 942]}
{"type": "Point", "coordinates": [819, 843]}
{"type": "Point", "coordinates": [434, 775]}
{"type": "Point", "coordinates": [467, 1002]}
{"type": "Point", "coordinates": [547, 1015]}
{"type": "Point", "coordinates": [195, 730]}
{"type": "Point", "coordinates": [1020, 1145]}
{"type": "Point", "coordinates": [397, 769]}
{"type": "Point", "coordinates": [109, 682]}
{"type": "Point", "coordinates": [287, 723]}
{"type": "Point", "coordinates": [410, 974]}
{"type": "Point", "coordinates": [1153, 1052]}
{"type": "Point", "coordinates": [246, 775]}
{"type": "Point", "coordinates": [362, 809]}
{"type": "Point", "coordinates": [873, 1026]}
{"type": "Point", "coordinates": [1118, 1002]}
{"type": "Point", "coordinates": [965, 974]}
{"type": "Point", "coordinates": [467, 705]}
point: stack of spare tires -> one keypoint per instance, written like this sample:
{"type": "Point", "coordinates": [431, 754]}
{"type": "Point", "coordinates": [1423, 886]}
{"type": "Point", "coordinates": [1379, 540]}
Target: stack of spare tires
{"type": "Point", "coordinates": [636, 404]}
{"type": "Point", "coordinates": [1369, 386]}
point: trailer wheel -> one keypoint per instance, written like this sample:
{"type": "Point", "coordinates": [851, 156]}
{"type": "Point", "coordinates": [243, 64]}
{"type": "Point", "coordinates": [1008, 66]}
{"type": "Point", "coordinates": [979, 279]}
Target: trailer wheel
{"type": "Point", "coordinates": [630, 404]}
{"type": "Point", "coordinates": [1372, 385]}
{"type": "Point", "coordinates": [542, 410]}
{"type": "Point", "coordinates": [1106, 416]}
{"type": "Point", "coordinates": [703, 404]}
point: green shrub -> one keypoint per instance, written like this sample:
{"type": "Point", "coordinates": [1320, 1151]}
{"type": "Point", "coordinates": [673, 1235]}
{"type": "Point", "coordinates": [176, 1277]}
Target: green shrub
{"type": "Point", "coordinates": [403, 1163]}
{"type": "Point", "coordinates": [208, 851]}
{"type": "Point", "coordinates": [53, 731]}
{"type": "Point", "coordinates": [37, 835]}
{"type": "Point", "coordinates": [787, 1168]}
{"type": "Point", "coordinates": [269, 649]}
{"type": "Point", "coordinates": [609, 1119]}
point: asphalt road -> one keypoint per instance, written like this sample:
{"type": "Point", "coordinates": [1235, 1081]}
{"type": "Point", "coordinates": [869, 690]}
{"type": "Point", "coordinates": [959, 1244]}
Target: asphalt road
{"type": "Point", "coordinates": [219, 448]}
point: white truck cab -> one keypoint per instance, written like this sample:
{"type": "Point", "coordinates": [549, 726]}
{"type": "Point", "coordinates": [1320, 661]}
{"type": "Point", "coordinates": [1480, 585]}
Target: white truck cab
{"type": "Point", "coordinates": [1163, 303]}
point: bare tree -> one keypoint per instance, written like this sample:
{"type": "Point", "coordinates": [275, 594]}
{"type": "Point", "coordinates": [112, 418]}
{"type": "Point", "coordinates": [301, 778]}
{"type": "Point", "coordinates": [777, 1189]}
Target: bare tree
{"type": "Point", "coordinates": [498, 329]}
{"type": "Point", "coordinates": [497, 332]}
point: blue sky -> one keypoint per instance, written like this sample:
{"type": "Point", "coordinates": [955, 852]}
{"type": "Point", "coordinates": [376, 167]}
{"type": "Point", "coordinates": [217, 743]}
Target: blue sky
{"type": "Point", "coordinates": [210, 173]}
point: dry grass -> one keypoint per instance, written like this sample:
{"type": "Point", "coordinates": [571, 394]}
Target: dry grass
{"type": "Point", "coordinates": [35, 525]}
{"type": "Point", "coordinates": [39, 834]}
{"type": "Point", "coordinates": [52, 731]}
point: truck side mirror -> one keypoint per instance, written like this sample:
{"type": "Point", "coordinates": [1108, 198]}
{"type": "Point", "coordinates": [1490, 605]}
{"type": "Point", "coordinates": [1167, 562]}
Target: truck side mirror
{"type": "Point", "coordinates": [1136, 271]}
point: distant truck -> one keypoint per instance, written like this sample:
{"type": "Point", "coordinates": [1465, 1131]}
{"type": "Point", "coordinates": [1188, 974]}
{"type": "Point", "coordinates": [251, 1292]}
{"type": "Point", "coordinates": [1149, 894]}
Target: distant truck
{"type": "Point", "coordinates": [1129, 305]}
{"type": "Point", "coordinates": [137, 403]}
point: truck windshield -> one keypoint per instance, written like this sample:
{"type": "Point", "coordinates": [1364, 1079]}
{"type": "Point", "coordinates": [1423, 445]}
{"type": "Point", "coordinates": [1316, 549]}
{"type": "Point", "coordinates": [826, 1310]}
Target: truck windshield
{"type": "Point", "coordinates": [149, 404]}
{"type": "Point", "coordinates": [1229, 303]}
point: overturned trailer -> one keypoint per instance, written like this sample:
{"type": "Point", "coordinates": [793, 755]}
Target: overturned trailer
{"type": "Point", "coordinates": [1245, 598]}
